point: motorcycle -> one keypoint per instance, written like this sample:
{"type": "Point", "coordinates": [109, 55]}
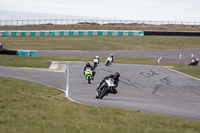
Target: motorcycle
{"type": "Point", "coordinates": [105, 88]}
{"type": "Point", "coordinates": [96, 62]}
{"type": "Point", "coordinates": [108, 61]}
{"type": "Point", "coordinates": [88, 75]}
{"type": "Point", "coordinates": [194, 63]}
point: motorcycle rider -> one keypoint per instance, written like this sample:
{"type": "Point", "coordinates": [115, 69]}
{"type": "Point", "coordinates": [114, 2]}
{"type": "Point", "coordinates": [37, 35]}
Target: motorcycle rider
{"type": "Point", "coordinates": [1, 45]}
{"type": "Point", "coordinates": [89, 66]}
{"type": "Point", "coordinates": [112, 56]}
{"type": "Point", "coordinates": [115, 77]}
{"type": "Point", "coordinates": [109, 60]}
{"type": "Point", "coordinates": [96, 61]}
{"type": "Point", "coordinates": [97, 57]}
{"type": "Point", "coordinates": [194, 62]}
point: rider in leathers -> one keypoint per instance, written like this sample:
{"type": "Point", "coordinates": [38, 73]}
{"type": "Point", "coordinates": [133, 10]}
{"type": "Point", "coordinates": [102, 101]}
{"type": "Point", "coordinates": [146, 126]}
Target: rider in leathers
{"type": "Point", "coordinates": [92, 68]}
{"type": "Point", "coordinates": [115, 77]}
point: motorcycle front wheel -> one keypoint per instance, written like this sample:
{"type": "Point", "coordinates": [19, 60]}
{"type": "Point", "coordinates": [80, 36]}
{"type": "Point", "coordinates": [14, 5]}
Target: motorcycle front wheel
{"type": "Point", "coordinates": [103, 93]}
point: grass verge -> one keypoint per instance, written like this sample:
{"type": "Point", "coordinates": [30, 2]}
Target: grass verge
{"type": "Point", "coordinates": [133, 26]}
{"type": "Point", "coordinates": [101, 43]}
{"type": "Point", "coordinates": [30, 107]}
{"type": "Point", "coordinates": [22, 61]}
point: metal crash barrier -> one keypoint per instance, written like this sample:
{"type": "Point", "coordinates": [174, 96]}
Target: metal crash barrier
{"type": "Point", "coordinates": [72, 33]}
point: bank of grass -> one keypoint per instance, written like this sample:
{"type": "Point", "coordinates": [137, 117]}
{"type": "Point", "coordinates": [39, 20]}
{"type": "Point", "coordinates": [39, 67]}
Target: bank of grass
{"type": "Point", "coordinates": [169, 27]}
{"type": "Point", "coordinates": [30, 107]}
{"type": "Point", "coordinates": [22, 61]}
{"type": "Point", "coordinates": [101, 43]}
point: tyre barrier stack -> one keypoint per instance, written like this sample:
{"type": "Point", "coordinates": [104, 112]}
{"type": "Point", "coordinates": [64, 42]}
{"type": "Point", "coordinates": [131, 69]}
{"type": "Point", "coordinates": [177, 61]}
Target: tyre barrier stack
{"type": "Point", "coordinates": [18, 52]}
{"type": "Point", "coordinates": [9, 52]}
{"type": "Point", "coordinates": [72, 33]}
{"type": "Point", "coordinates": [170, 33]}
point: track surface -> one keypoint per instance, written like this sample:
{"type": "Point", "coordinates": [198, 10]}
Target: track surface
{"type": "Point", "coordinates": [151, 89]}
{"type": "Point", "coordinates": [170, 56]}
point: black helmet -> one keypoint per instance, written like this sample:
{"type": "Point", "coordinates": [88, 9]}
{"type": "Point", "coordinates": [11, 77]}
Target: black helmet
{"type": "Point", "coordinates": [117, 75]}
{"type": "Point", "coordinates": [87, 64]}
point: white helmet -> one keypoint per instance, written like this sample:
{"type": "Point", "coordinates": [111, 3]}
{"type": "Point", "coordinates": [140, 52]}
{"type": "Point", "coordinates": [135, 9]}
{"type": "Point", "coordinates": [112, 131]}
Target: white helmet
{"type": "Point", "coordinates": [111, 54]}
{"type": "Point", "coordinates": [97, 57]}
{"type": "Point", "coordinates": [197, 59]}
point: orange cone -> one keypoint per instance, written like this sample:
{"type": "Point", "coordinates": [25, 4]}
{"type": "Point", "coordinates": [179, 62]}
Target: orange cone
{"type": "Point", "coordinates": [180, 56]}
{"type": "Point", "coordinates": [192, 56]}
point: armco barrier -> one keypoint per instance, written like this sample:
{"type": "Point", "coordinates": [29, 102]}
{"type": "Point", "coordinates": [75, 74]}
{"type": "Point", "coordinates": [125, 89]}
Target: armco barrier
{"type": "Point", "coordinates": [26, 53]}
{"type": "Point", "coordinates": [170, 33]}
{"type": "Point", "coordinates": [72, 33]}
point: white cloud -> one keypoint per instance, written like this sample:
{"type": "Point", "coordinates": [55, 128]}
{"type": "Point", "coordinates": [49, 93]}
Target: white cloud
{"type": "Point", "coordinates": [122, 9]}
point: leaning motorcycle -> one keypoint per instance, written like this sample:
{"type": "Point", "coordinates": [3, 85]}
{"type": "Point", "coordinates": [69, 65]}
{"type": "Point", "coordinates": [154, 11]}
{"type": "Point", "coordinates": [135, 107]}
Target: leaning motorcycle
{"type": "Point", "coordinates": [88, 75]}
{"type": "Point", "coordinates": [108, 61]}
{"type": "Point", "coordinates": [105, 88]}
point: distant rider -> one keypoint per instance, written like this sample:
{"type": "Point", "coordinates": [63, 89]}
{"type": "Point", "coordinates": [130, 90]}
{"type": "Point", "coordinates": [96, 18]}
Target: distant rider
{"type": "Point", "coordinates": [89, 66]}
{"type": "Point", "coordinates": [97, 57]}
{"type": "Point", "coordinates": [112, 56]}
{"type": "Point", "coordinates": [96, 61]}
{"type": "Point", "coordinates": [194, 62]}
{"type": "Point", "coordinates": [115, 77]}
{"type": "Point", "coordinates": [1, 45]}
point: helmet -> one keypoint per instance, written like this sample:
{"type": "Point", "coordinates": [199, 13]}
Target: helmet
{"type": "Point", "coordinates": [87, 64]}
{"type": "Point", "coordinates": [117, 75]}
{"type": "Point", "coordinates": [111, 55]}
{"type": "Point", "coordinates": [197, 59]}
{"type": "Point", "coordinates": [97, 57]}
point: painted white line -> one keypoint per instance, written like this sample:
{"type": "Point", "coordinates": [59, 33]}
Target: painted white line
{"type": "Point", "coordinates": [67, 85]}
{"type": "Point", "coordinates": [184, 74]}
{"type": "Point", "coordinates": [159, 59]}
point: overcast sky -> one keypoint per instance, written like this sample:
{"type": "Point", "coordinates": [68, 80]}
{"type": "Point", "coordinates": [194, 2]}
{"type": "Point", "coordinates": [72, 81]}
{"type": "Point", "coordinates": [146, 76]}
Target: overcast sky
{"type": "Point", "coordinates": [159, 10]}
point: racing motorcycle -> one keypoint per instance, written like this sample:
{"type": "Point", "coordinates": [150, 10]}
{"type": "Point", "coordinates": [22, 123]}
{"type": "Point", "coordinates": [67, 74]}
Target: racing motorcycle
{"type": "Point", "coordinates": [105, 88]}
{"type": "Point", "coordinates": [108, 61]}
{"type": "Point", "coordinates": [88, 75]}
{"type": "Point", "coordinates": [96, 62]}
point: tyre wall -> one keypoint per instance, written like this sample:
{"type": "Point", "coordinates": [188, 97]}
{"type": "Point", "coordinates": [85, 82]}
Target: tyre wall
{"type": "Point", "coordinates": [170, 33]}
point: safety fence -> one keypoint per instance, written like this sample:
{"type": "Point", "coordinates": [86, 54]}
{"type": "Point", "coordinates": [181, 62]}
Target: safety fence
{"type": "Point", "coordinates": [94, 22]}
{"type": "Point", "coordinates": [71, 33]}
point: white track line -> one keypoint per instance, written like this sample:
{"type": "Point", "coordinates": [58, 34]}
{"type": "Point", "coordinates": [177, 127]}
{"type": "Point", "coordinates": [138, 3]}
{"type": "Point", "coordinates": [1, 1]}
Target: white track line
{"type": "Point", "coordinates": [159, 59]}
{"type": "Point", "coordinates": [184, 74]}
{"type": "Point", "coordinates": [67, 85]}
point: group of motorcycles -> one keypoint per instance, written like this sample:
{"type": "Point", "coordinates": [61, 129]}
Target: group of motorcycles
{"type": "Point", "coordinates": [108, 84]}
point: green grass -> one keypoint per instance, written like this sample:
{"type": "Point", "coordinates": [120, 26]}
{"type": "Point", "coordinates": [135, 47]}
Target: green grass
{"type": "Point", "coordinates": [30, 107]}
{"type": "Point", "coordinates": [101, 43]}
{"type": "Point", "coordinates": [22, 61]}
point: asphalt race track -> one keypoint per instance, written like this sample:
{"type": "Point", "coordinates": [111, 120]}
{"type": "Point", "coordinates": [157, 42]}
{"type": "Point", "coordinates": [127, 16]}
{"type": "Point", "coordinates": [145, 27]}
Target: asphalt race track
{"type": "Point", "coordinates": [170, 56]}
{"type": "Point", "coordinates": [150, 89]}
